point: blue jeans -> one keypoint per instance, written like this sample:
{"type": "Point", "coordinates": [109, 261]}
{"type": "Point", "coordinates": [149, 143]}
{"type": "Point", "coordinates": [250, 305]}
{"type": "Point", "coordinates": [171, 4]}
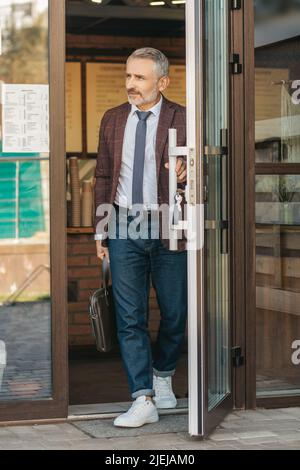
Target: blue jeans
{"type": "Point", "coordinates": [133, 262]}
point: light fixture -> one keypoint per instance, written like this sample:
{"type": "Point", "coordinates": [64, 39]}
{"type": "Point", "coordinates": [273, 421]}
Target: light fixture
{"type": "Point", "coordinates": [137, 3]}
{"type": "Point", "coordinates": [98, 2]}
{"type": "Point", "coordinates": [157, 4]}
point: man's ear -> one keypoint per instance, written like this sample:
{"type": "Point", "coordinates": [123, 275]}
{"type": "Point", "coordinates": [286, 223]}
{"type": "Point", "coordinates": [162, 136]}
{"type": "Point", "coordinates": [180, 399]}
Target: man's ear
{"type": "Point", "coordinates": [163, 83]}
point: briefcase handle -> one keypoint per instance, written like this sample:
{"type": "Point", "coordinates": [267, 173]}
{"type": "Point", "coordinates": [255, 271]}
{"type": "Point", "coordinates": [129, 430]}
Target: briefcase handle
{"type": "Point", "coordinates": [105, 273]}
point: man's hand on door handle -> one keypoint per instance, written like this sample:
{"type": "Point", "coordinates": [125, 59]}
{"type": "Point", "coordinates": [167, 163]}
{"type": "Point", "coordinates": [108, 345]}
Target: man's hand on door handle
{"type": "Point", "coordinates": [180, 170]}
{"type": "Point", "coordinates": [102, 251]}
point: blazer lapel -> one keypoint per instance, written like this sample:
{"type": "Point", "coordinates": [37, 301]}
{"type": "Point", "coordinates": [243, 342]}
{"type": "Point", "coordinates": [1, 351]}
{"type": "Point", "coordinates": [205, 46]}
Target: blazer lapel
{"type": "Point", "coordinates": [121, 121]}
{"type": "Point", "coordinates": [119, 133]}
{"type": "Point", "coordinates": [164, 124]}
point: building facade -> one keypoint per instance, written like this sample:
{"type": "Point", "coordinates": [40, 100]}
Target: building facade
{"type": "Point", "coordinates": [234, 64]}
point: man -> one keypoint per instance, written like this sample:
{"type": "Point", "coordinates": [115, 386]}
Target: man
{"type": "Point", "coordinates": [132, 170]}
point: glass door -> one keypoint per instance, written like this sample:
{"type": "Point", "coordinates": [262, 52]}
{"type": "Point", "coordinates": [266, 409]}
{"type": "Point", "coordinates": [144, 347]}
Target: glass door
{"type": "Point", "coordinates": [216, 194]}
{"type": "Point", "coordinates": [209, 263]}
{"type": "Point", "coordinates": [33, 374]}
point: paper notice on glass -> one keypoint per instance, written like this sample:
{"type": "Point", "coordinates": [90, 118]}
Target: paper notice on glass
{"type": "Point", "coordinates": [25, 118]}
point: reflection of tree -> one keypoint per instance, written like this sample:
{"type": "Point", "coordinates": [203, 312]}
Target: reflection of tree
{"type": "Point", "coordinates": [286, 189]}
{"type": "Point", "coordinates": [25, 57]}
{"type": "Point", "coordinates": [277, 188]}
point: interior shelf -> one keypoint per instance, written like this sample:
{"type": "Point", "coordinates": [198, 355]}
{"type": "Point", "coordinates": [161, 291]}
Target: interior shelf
{"type": "Point", "coordinates": [78, 230]}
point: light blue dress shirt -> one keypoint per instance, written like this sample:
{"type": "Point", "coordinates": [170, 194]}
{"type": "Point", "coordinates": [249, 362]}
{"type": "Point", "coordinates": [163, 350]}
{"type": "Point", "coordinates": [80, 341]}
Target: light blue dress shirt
{"type": "Point", "coordinates": [124, 189]}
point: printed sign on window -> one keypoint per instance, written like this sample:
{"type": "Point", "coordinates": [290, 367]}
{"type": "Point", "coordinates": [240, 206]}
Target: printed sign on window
{"type": "Point", "coordinates": [25, 118]}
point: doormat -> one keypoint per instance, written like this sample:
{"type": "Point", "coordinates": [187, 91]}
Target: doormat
{"type": "Point", "coordinates": [104, 427]}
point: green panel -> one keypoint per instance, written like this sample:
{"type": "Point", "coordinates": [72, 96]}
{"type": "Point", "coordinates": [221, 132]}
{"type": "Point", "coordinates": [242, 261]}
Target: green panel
{"type": "Point", "coordinates": [31, 213]}
{"type": "Point", "coordinates": [29, 171]}
{"type": "Point", "coordinates": [7, 210]}
{"type": "Point", "coordinates": [7, 230]}
{"type": "Point", "coordinates": [31, 209]}
{"type": "Point", "coordinates": [7, 200]}
{"type": "Point", "coordinates": [7, 189]}
{"type": "Point", "coordinates": [29, 227]}
{"type": "Point", "coordinates": [7, 171]}
{"type": "Point", "coordinates": [29, 189]}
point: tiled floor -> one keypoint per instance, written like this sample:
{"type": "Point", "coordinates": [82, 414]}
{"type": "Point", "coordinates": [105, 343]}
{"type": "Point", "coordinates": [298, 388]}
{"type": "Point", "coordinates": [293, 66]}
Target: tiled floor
{"type": "Point", "coordinates": [254, 430]}
{"type": "Point", "coordinates": [26, 333]}
{"type": "Point", "coordinates": [25, 329]}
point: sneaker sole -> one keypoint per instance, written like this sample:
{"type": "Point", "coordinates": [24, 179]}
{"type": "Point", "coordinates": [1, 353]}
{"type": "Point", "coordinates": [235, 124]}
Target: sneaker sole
{"type": "Point", "coordinates": [149, 421]}
{"type": "Point", "coordinates": [166, 407]}
{"type": "Point", "coordinates": [171, 406]}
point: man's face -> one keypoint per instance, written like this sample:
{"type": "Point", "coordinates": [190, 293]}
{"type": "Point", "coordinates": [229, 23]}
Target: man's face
{"type": "Point", "coordinates": [143, 86]}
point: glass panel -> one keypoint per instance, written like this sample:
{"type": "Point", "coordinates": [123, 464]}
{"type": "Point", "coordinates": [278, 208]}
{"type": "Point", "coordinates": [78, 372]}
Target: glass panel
{"type": "Point", "coordinates": [277, 30]}
{"type": "Point", "coordinates": [277, 81]}
{"type": "Point", "coordinates": [217, 260]}
{"type": "Point", "coordinates": [25, 311]}
{"type": "Point", "coordinates": [278, 284]}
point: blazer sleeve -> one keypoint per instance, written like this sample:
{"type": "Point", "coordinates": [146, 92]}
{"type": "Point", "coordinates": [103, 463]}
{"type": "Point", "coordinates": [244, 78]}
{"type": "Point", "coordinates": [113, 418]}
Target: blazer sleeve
{"type": "Point", "coordinates": [102, 185]}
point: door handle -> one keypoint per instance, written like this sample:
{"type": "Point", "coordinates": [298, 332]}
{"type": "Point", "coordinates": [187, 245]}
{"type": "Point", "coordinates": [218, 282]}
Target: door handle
{"type": "Point", "coordinates": [224, 194]}
{"type": "Point", "coordinates": [222, 223]}
{"type": "Point", "coordinates": [190, 189]}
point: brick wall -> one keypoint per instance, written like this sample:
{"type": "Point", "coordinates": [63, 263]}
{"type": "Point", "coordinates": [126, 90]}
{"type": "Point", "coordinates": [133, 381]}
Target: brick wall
{"type": "Point", "coordinates": [84, 276]}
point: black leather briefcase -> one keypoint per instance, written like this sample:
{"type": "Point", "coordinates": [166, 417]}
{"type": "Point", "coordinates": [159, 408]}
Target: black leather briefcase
{"type": "Point", "coordinates": [102, 314]}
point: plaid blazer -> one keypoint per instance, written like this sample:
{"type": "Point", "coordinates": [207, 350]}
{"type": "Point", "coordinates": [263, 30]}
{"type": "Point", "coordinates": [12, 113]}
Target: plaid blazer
{"type": "Point", "coordinates": [109, 156]}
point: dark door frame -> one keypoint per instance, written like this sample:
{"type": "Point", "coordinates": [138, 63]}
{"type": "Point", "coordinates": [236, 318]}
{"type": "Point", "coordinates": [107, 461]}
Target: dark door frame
{"type": "Point", "coordinates": [57, 405]}
{"type": "Point", "coordinates": [243, 205]}
{"type": "Point", "coordinates": [249, 223]}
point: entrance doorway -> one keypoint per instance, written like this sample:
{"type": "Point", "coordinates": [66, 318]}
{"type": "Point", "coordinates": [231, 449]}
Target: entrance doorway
{"type": "Point", "coordinates": [99, 38]}
{"type": "Point", "coordinates": [97, 60]}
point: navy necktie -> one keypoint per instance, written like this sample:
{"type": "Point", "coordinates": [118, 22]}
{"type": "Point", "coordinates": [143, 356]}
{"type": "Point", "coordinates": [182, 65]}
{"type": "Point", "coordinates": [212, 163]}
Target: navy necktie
{"type": "Point", "coordinates": [139, 157]}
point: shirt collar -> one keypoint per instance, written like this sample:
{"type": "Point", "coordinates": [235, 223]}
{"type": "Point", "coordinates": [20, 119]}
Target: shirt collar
{"type": "Point", "coordinates": [154, 110]}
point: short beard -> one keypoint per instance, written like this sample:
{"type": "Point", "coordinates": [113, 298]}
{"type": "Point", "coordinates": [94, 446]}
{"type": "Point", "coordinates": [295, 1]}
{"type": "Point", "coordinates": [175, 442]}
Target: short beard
{"type": "Point", "coordinates": [144, 100]}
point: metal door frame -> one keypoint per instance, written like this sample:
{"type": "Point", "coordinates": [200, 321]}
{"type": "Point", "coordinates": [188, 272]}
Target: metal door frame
{"type": "Point", "coordinates": [201, 422]}
{"type": "Point", "coordinates": [194, 87]}
{"type": "Point", "coordinates": [57, 405]}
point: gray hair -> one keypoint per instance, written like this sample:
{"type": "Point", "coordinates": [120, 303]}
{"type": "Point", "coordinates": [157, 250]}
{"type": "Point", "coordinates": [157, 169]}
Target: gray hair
{"type": "Point", "coordinates": [160, 60]}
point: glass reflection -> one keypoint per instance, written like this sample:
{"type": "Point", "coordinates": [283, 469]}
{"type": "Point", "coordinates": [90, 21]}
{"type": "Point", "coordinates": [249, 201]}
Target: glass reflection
{"type": "Point", "coordinates": [278, 283]}
{"type": "Point", "coordinates": [277, 81]}
{"type": "Point", "coordinates": [216, 258]}
{"type": "Point", "coordinates": [278, 200]}
{"type": "Point", "coordinates": [266, 9]}
{"type": "Point", "coordinates": [277, 94]}
{"type": "Point", "coordinates": [25, 313]}
{"type": "Point", "coordinates": [277, 116]}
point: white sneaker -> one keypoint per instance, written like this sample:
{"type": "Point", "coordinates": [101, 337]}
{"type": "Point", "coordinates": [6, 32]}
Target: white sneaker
{"type": "Point", "coordinates": [164, 396]}
{"type": "Point", "coordinates": [142, 412]}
